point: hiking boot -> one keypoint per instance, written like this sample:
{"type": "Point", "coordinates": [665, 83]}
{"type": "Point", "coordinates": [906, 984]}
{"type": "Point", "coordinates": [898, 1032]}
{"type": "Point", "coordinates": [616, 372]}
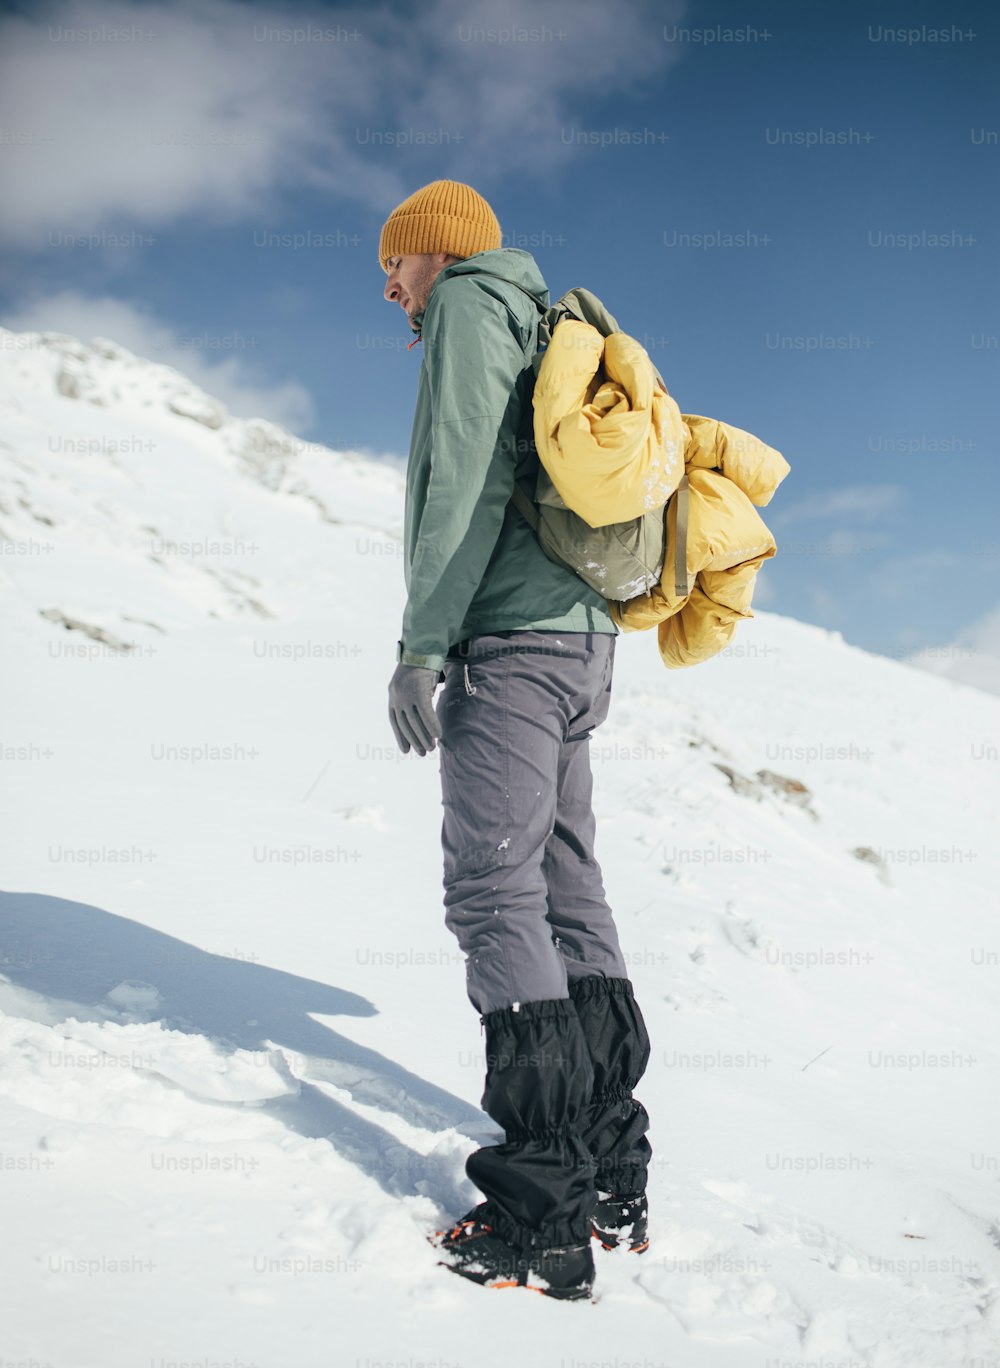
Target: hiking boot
{"type": "Point", "coordinates": [621, 1222]}
{"type": "Point", "coordinates": [473, 1250]}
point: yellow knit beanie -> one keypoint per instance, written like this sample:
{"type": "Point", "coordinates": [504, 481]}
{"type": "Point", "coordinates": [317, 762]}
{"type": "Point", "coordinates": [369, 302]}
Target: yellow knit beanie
{"type": "Point", "coordinates": [445, 216]}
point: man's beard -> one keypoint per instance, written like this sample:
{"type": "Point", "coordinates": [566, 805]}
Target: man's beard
{"type": "Point", "coordinates": [420, 294]}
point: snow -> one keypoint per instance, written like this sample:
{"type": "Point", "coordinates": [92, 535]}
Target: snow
{"type": "Point", "coordinates": [239, 1074]}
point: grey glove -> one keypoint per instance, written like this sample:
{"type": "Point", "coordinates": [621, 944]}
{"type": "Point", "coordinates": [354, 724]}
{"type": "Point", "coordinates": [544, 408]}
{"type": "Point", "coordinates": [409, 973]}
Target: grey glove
{"type": "Point", "coordinates": [411, 708]}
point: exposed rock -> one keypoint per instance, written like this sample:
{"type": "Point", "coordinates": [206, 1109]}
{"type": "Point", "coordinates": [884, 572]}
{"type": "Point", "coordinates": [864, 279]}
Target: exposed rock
{"type": "Point", "coordinates": [766, 782]}
{"type": "Point", "coordinates": [194, 404]}
{"type": "Point", "coordinates": [872, 857]}
{"type": "Point", "coordinates": [740, 783]}
{"type": "Point", "coordinates": [95, 633]}
{"type": "Point", "coordinates": [792, 789]}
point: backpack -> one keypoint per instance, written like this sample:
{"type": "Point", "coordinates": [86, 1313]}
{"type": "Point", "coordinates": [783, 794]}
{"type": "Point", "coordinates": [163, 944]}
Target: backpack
{"type": "Point", "coordinates": [620, 560]}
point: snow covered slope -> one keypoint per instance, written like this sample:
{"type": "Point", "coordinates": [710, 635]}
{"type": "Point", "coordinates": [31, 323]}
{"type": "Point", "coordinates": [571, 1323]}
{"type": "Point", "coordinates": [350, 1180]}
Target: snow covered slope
{"type": "Point", "coordinates": [239, 1074]}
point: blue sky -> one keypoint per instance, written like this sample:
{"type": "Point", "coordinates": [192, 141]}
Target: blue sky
{"type": "Point", "coordinates": [793, 206]}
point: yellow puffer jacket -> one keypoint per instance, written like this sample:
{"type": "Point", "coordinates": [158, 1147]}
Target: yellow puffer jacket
{"type": "Point", "coordinates": [616, 445]}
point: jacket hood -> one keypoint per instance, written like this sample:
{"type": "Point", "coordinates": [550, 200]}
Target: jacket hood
{"type": "Point", "coordinates": [512, 263]}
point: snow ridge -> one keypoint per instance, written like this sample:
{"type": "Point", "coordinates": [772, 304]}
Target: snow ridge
{"type": "Point", "coordinates": [239, 1076]}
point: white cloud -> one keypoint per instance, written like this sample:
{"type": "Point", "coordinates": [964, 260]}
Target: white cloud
{"type": "Point", "coordinates": [231, 379]}
{"type": "Point", "coordinates": [856, 501]}
{"type": "Point", "coordinates": [205, 112]}
{"type": "Point", "coordinates": [915, 575]}
{"type": "Point", "coordinates": [196, 117]}
{"type": "Point", "coordinates": [973, 657]}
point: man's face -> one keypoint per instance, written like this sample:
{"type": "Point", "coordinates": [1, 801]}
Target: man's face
{"type": "Point", "coordinates": [411, 277]}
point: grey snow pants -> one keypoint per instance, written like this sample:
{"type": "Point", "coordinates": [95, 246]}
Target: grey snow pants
{"type": "Point", "coordinates": [523, 890]}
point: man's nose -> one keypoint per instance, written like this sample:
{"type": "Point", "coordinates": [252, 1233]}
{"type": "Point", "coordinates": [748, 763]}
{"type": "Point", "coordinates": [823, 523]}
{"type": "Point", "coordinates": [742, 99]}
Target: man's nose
{"type": "Point", "coordinates": [391, 289]}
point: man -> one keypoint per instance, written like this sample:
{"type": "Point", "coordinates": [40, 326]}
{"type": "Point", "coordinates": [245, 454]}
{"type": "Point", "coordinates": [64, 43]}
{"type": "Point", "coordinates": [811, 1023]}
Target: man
{"type": "Point", "coordinates": [525, 650]}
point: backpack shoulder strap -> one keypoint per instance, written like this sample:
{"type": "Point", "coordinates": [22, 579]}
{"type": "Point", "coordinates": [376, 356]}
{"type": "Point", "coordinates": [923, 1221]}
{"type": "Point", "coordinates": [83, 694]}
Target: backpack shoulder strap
{"type": "Point", "coordinates": [525, 507]}
{"type": "Point", "coordinates": [681, 588]}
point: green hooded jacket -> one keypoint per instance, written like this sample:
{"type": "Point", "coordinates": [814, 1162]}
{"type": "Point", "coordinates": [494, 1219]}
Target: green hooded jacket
{"type": "Point", "coordinates": [471, 562]}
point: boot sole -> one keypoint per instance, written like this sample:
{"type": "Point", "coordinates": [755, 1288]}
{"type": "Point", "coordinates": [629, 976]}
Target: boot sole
{"type": "Point", "coordinates": [482, 1277]}
{"type": "Point", "coordinates": [482, 1280]}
